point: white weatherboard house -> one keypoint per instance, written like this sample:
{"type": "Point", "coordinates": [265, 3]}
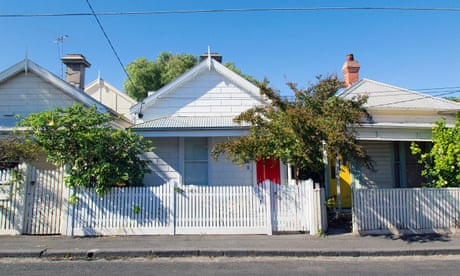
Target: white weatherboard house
{"type": "Point", "coordinates": [185, 119]}
{"type": "Point", "coordinates": [37, 205]}
{"type": "Point", "coordinates": [399, 116]}
{"type": "Point", "coordinates": [190, 115]}
{"type": "Point", "coordinates": [27, 88]}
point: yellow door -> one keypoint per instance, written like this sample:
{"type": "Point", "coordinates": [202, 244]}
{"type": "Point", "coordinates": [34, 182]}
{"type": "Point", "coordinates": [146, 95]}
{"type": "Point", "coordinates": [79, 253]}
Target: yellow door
{"type": "Point", "coordinates": [344, 177]}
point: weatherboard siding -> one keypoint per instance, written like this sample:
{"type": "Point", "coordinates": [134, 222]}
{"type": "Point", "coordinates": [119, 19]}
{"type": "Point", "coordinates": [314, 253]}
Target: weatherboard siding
{"type": "Point", "coordinates": [116, 100]}
{"type": "Point", "coordinates": [208, 94]}
{"type": "Point", "coordinates": [27, 93]}
{"type": "Point", "coordinates": [167, 163]}
{"type": "Point", "coordinates": [382, 177]}
{"type": "Point", "coordinates": [224, 173]}
{"type": "Point", "coordinates": [394, 134]}
{"type": "Point", "coordinates": [164, 161]}
{"type": "Point", "coordinates": [405, 116]}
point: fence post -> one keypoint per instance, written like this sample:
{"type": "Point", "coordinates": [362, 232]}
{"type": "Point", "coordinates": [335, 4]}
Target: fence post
{"type": "Point", "coordinates": [356, 206]}
{"type": "Point", "coordinates": [312, 215]}
{"type": "Point", "coordinates": [65, 214]}
{"type": "Point", "coordinates": [305, 204]}
{"type": "Point", "coordinates": [172, 201]}
{"type": "Point", "coordinates": [69, 213]}
{"type": "Point", "coordinates": [320, 209]}
{"type": "Point", "coordinates": [268, 205]}
{"type": "Point", "coordinates": [22, 199]}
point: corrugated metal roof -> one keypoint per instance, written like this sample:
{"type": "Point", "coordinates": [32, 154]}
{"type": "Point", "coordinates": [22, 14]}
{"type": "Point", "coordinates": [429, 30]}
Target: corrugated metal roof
{"type": "Point", "coordinates": [384, 96]}
{"type": "Point", "coordinates": [191, 122]}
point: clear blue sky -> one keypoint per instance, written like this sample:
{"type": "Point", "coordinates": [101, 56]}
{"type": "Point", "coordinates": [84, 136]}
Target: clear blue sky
{"type": "Point", "coordinates": [410, 49]}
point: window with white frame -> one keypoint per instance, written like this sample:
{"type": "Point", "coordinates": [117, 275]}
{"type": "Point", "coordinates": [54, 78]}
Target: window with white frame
{"type": "Point", "coordinates": [196, 161]}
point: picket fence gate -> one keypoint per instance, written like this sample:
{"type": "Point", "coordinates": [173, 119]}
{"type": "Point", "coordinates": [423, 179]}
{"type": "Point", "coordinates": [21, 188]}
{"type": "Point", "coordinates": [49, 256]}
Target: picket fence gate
{"type": "Point", "coordinates": [39, 205]}
{"type": "Point", "coordinates": [33, 205]}
{"type": "Point", "coordinates": [412, 210]}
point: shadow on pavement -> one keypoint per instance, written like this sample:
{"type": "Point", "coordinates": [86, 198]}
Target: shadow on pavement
{"type": "Point", "coordinates": [421, 238]}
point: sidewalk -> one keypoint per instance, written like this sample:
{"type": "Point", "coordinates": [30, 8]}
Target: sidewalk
{"type": "Point", "coordinates": [225, 245]}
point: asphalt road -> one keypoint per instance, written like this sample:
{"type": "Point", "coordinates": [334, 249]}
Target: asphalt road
{"type": "Point", "coordinates": [433, 265]}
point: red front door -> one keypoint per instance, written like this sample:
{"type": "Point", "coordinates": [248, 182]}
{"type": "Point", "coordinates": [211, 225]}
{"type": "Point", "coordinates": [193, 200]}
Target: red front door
{"type": "Point", "coordinates": [268, 169]}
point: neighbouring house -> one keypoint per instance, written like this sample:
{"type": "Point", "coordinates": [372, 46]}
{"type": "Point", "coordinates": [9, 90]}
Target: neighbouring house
{"type": "Point", "coordinates": [399, 116]}
{"type": "Point", "coordinates": [110, 96]}
{"type": "Point", "coordinates": [27, 88]}
{"type": "Point", "coordinates": [190, 115]}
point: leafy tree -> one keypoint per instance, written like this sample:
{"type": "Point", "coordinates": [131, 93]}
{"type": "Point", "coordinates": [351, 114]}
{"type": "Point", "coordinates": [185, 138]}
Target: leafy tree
{"type": "Point", "coordinates": [454, 99]}
{"type": "Point", "coordinates": [232, 66]}
{"type": "Point", "coordinates": [14, 149]}
{"type": "Point", "coordinates": [95, 154]}
{"type": "Point", "coordinates": [146, 75]}
{"type": "Point", "coordinates": [442, 162]}
{"type": "Point", "coordinates": [297, 132]}
{"type": "Point", "coordinates": [172, 66]}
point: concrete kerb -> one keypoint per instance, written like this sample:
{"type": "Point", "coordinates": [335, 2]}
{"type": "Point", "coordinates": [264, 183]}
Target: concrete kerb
{"type": "Point", "coordinates": [217, 246]}
{"type": "Point", "coordinates": [28, 253]}
{"type": "Point", "coordinates": [111, 253]}
{"type": "Point", "coordinates": [64, 254]}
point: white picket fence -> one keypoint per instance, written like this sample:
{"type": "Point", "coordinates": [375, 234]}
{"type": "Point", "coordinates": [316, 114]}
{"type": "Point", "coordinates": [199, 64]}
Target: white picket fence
{"type": "Point", "coordinates": [11, 204]}
{"type": "Point", "coordinates": [45, 201]}
{"type": "Point", "coordinates": [128, 210]}
{"type": "Point", "coordinates": [223, 210]}
{"type": "Point", "coordinates": [169, 209]}
{"type": "Point", "coordinates": [40, 205]}
{"type": "Point", "coordinates": [36, 205]}
{"type": "Point", "coordinates": [421, 210]}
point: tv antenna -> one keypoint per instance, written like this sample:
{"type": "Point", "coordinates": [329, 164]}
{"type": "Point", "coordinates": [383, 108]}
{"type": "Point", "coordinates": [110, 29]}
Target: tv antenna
{"type": "Point", "coordinates": [60, 50]}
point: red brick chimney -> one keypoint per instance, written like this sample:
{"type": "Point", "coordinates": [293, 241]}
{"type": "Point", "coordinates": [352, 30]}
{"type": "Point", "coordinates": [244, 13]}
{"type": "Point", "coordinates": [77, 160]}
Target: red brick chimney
{"type": "Point", "coordinates": [350, 71]}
